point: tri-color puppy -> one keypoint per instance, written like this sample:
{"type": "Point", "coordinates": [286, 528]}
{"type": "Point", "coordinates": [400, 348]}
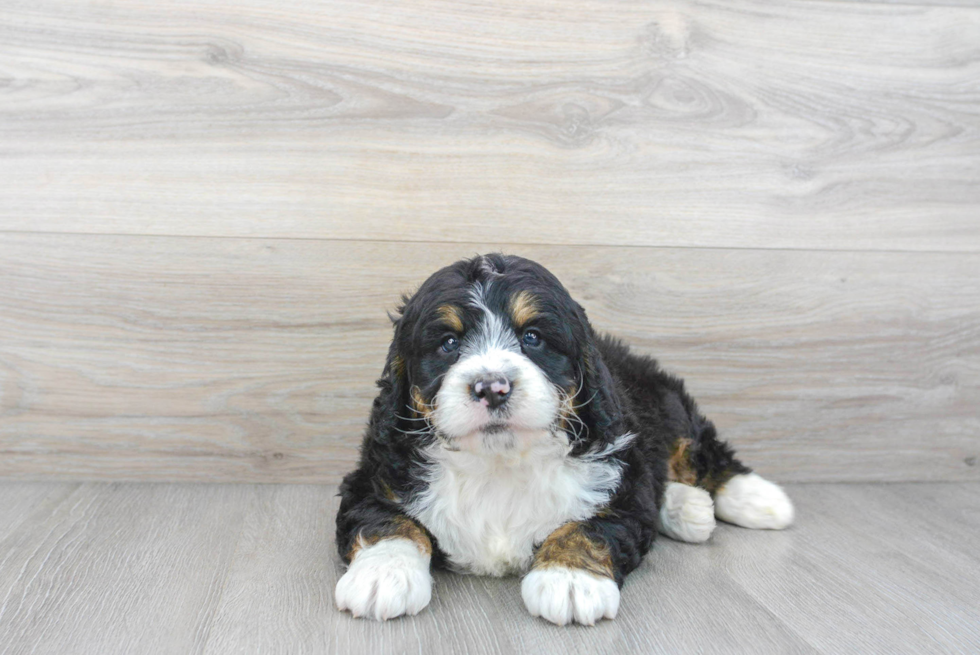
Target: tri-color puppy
{"type": "Point", "coordinates": [508, 438]}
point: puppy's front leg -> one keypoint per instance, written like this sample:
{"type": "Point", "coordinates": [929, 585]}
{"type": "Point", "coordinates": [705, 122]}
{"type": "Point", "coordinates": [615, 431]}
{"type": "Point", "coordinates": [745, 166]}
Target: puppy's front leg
{"type": "Point", "coordinates": [389, 556]}
{"type": "Point", "coordinates": [578, 570]}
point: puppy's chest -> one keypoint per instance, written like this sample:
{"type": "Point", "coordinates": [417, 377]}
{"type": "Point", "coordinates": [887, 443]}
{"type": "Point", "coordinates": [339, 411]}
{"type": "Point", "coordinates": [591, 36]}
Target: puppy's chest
{"type": "Point", "coordinates": [488, 514]}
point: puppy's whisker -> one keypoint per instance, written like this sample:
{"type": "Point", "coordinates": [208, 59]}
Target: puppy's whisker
{"type": "Point", "coordinates": [415, 418]}
{"type": "Point", "coordinates": [568, 404]}
{"type": "Point", "coordinates": [581, 405]}
{"type": "Point", "coordinates": [567, 413]}
{"type": "Point", "coordinates": [421, 403]}
{"type": "Point", "coordinates": [425, 430]}
{"type": "Point", "coordinates": [423, 409]}
{"type": "Point", "coordinates": [411, 433]}
{"type": "Point", "coordinates": [576, 425]}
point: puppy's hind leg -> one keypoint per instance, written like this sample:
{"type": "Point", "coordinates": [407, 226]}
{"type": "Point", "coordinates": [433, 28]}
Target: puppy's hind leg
{"type": "Point", "coordinates": [751, 501]}
{"type": "Point", "coordinates": [740, 496]}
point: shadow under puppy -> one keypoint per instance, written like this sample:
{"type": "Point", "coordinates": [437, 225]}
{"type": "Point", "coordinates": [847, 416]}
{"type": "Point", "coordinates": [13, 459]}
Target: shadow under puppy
{"type": "Point", "coordinates": [508, 438]}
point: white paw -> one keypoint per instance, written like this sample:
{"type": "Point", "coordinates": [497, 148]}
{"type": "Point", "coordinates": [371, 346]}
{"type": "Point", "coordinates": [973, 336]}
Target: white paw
{"type": "Point", "coordinates": [753, 502]}
{"type": "Point", "coordinates": [561, 595]}
{"type": "Point", "coordinates": [687, 513]}
{"type": "Point", "coordinates": [386, 580]}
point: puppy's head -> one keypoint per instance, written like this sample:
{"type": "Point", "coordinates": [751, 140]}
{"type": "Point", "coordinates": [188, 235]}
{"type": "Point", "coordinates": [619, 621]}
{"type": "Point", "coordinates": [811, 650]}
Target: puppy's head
{"type": "Point", "coordinates": [491, 355]}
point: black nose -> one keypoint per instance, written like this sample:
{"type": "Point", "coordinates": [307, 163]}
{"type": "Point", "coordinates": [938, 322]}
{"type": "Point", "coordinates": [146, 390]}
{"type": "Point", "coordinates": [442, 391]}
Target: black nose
{"type": "Point", "coordinates": [492, 391]}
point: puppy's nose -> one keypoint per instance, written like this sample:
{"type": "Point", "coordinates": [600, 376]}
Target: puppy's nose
{"type": "Point", "coordinates": [492, 391]}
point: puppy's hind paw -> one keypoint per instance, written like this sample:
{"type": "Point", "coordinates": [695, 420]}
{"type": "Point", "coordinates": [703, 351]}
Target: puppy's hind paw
{"type": "Point", "coordinates": [687, 513]}
{"type": "Point", "coordinates": [753, 502]}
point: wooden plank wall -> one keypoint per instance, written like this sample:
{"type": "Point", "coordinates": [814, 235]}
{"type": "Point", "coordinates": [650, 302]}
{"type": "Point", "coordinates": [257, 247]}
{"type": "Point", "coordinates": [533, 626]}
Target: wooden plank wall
{"type": "Point", "coordinates": [206, 209]}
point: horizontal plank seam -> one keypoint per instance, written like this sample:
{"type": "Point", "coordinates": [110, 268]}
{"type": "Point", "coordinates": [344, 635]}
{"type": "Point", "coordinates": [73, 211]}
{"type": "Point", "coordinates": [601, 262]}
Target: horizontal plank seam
{"type": "Point", "coordinates": [495, 242]}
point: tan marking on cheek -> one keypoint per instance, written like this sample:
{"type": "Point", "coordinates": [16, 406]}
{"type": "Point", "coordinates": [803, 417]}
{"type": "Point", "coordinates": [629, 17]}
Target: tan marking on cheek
{"type": "Point", "coordinates": [571, 547]}
{"type": "Point", "coordinates": [568, 405]}
{"type": "Point", "coordinates": [523, 308]}
{"type": "Point", "coordinates": [568, 419]}
{"type": "Point", "coordinates": [679, 467]}
{"type": "Point", "coordinates": [418, 403]}
{"type": "Point", "coordinates": [452, 317]}
{"type": "Point", "coordinates": [399, 527]}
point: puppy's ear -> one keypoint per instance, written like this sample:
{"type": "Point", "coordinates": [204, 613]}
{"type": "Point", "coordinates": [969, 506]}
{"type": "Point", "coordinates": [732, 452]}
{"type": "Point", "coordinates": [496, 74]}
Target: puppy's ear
{"type": "Point", "coordinates": [603, 414]}
{"type": "Point", "coordinates": [392, 399]}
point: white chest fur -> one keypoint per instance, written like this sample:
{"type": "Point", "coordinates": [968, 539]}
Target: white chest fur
{"type": "Point", "coordinates": [488, 511]}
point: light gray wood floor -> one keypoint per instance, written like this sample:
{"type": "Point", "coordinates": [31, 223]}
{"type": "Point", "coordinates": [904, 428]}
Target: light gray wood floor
{"type": "Point", "coordinates": [180, 568]}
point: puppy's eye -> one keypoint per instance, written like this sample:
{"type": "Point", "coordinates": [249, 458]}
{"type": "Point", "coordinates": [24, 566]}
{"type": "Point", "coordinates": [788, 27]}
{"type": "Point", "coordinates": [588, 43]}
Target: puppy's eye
{"type": "Point", "coordinates": [531, 338]}
{"type": "Point", "coordinates": [450, 344]}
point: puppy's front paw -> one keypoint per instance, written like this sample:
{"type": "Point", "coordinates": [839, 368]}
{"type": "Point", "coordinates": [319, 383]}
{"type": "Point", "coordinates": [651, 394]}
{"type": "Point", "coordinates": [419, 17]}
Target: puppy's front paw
{"type": "Point", "coordinates": [385, 580]}
{"type": "Point", "coordinates": [561, 594]}
{"type": "Point", "coordinates": [753, 502]}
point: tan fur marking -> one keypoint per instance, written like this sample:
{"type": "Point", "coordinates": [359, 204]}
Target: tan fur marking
{"type": "Point", "coordinates": [418, 402]}
{"type": "Point", "coordinates": [400, 527]}
{"type": "Point", "coordinates": [397, 366]}
{"type": "Point", "coordinates": [523, 308]}
{"type": "Point", "coordinates": [567, 410]}
{"type": "Point", "coordinates": [451, 316]}
{"type": "Point", "coordinates": [712, 483]}
{"type": "Point", "coordinates": [679, 468]}
{"type": "Point", "coordinates": [570, 547]}
{"type": "Point", "coordinates": [389, 493]}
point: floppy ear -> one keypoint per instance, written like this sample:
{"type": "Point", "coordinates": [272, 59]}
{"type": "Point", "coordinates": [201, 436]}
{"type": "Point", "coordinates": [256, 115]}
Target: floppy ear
{"type": "Point", "coordinates": [603, 412]}
{"type": "Point", "coordinates": [392, 399]}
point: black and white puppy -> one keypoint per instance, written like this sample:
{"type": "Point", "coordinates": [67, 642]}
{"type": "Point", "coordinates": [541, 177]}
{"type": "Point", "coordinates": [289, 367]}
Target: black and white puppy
{"type": "Point", "coordinates": [510, 438]}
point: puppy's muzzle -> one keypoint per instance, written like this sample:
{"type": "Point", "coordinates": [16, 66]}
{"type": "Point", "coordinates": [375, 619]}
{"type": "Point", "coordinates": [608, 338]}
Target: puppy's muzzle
{"type": "Point", "coordinates": [491, 390]}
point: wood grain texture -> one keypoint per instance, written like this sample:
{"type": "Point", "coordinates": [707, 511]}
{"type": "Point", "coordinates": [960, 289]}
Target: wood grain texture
{"type": "Point", "coordinates": [169, 568]}
{"type": "Point", "coordinates": [254, 360]}
{"type": "Point", "coordinates": [870, 571]}
{"type": "Point", "coordinates": [731, 123]}
{"type": "Point", "coordinates": [116, 569]}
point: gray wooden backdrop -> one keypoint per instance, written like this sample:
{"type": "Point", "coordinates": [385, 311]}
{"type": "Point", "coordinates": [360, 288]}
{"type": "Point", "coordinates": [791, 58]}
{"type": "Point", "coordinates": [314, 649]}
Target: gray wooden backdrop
{"type": "Point", "coordinates": [206, 209]}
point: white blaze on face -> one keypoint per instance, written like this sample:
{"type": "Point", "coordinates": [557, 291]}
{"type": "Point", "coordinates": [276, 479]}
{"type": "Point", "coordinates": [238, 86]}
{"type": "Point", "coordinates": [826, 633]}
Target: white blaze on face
{"type": "Point", "coordinates": [491, 352]}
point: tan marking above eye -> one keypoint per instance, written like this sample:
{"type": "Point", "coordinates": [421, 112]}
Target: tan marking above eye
{"type": "Point", "coordinates": [523, 308]}
{"type": "Point", "coordinates": [451, 316]}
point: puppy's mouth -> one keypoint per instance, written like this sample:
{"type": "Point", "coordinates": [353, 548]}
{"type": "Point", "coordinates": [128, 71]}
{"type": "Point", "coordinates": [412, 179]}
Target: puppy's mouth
{"type": "Point", "coordinates": [495, 428]}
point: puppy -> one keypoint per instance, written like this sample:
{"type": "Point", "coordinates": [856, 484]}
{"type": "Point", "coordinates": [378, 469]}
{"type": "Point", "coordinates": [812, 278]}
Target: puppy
{"type": "Point", "coordinates": [509, 438]}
